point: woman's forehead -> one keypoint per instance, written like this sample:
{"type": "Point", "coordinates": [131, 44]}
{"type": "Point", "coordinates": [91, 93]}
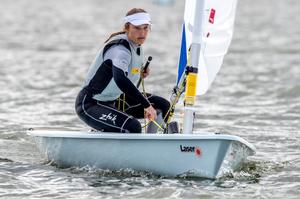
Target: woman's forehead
{"type": "Point", "coordinates": [140, 26]}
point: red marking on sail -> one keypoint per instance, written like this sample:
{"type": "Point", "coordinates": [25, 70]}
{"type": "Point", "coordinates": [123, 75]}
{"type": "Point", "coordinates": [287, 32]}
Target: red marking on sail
{"type": "Point", "coordinates": [212, 16]}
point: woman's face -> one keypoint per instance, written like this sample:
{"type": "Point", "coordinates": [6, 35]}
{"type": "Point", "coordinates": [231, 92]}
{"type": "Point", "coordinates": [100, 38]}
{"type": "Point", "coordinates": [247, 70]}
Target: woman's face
{"type": "Point", "coordinates": [138, 34]}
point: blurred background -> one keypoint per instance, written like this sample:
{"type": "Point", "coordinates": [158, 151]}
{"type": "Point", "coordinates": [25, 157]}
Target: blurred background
{"type": "Point", "coordinates": [46, 48]}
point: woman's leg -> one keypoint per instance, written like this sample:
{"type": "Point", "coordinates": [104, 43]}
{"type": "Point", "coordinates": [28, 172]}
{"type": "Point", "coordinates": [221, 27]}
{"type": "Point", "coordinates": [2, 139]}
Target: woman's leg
{"type": "Point", "coordinates": [104, 117]}
{"type": "Point", "coordinates": [160, 104]}
{"type": "Point", "coordinates": [135, 109]}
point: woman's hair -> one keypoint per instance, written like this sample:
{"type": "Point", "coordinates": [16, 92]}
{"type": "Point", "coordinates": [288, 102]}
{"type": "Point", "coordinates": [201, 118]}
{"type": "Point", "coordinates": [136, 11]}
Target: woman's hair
{"type": "Point", "coordinates": [126, 26]}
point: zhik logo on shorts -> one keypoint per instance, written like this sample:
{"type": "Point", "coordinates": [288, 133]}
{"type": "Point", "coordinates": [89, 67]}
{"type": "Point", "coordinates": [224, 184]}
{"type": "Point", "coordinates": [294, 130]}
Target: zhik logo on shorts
{"type": "Point", "coordinates": [110, 116]}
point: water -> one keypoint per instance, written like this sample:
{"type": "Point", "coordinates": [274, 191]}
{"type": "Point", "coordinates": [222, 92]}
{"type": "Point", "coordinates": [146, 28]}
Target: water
{"type": "Point", "coordinates": [45, 50]}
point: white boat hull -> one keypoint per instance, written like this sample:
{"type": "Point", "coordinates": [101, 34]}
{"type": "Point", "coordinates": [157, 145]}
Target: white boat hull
{"type": "Point", "coordinates": [208, 156]}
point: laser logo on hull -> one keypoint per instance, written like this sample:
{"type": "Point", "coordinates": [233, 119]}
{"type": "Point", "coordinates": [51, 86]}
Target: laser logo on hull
{"type": "Point", "coordinates": [191, 149]}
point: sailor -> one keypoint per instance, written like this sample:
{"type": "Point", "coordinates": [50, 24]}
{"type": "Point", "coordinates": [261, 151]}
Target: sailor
{"type": "Point", "coordinates": [110, 100]}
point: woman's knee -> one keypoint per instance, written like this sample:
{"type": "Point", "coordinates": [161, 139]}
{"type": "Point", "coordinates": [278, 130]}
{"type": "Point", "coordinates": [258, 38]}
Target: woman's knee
{"type": "Point", "coordinates": [162, 104]}
{"type": "Point", "coordinates": [133, 126]}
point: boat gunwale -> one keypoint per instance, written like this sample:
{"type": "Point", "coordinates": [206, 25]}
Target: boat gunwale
{"type": "Point", "coordinates": [137, 136]}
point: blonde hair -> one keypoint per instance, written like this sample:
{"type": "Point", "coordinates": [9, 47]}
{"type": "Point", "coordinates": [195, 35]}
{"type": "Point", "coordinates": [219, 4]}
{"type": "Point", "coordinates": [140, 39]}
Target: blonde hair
{"type": "Point", "coordinates": [126, 26]}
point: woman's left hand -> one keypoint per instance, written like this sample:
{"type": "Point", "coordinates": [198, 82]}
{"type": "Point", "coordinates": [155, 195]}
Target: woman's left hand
{"type": "Point", "coordinates": [150, 113]}
{"type": "Point", "coordinates": [146, 73]}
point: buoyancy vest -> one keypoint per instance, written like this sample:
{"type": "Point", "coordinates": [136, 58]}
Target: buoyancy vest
{"type": "Point", "coordinates": [99, 81]}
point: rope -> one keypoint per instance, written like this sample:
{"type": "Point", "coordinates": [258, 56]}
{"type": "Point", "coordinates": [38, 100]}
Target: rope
{"type": "Point", "coordinates": [147, 123]}
{"type": "Point", "coordinates": [124, 102]}
{"type": "Point", "coordinates": [119, 103]}
{"type": "Point", "coordinates": [145, 95]}
{"type": "Point", "coordinates": [161, 126]}
{"type": "Point", "coordinates": [178, 94]}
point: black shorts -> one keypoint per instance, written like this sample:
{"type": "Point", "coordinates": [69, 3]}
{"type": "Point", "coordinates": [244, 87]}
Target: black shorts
{"type": "Point", "coordinates": [110, 117]}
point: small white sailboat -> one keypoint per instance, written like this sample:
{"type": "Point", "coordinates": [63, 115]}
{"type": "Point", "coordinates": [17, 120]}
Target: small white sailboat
{"type": "Point", "coordinates": [204, 155]}
{"type": "Point", "coordinates": [207, 32]}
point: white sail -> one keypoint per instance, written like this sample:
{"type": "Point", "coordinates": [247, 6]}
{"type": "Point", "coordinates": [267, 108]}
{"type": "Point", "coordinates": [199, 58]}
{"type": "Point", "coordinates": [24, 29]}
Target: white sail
{"type": "Point", "coordinates": [218, 23]}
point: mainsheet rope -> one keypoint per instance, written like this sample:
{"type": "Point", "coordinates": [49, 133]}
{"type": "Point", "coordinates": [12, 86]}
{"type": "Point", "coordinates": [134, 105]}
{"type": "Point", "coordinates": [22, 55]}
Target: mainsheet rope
{"type": "Point", "coordinates": [160, 126]}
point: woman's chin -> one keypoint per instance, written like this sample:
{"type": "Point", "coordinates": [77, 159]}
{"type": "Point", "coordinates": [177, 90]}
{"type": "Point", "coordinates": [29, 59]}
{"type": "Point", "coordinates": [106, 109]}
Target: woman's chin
{"type": "Point", "coordinates": [141, 41]}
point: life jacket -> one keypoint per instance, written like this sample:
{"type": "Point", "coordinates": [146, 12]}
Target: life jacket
{"type": "Point", "coordinates": [99, 81]}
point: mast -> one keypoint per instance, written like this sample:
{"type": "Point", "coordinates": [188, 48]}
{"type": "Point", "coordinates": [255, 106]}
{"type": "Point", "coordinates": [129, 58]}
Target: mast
{"type": "Point", "coordinates": [192, 70]}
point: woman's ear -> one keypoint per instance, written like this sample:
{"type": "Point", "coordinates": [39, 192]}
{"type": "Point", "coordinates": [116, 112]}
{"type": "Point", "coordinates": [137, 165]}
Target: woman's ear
{"type": "Point", "coordinates": [126, 27]}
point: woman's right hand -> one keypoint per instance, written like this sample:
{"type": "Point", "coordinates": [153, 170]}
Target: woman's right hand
{"type": "Point", "coordinates": [150, 113]}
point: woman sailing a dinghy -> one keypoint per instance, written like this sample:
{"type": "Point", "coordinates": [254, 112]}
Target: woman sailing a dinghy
{"type": "Point", "coordinates": [110, 100]}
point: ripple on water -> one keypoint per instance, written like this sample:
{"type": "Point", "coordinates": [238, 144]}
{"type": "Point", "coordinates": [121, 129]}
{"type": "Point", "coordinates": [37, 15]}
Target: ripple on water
{"type": "Point", "coordinates": [47, 47]}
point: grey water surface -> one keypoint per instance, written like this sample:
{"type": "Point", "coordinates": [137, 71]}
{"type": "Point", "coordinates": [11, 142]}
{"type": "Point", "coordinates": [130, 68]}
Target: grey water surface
{"type": "Point", "coordinates": [47, 46]}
